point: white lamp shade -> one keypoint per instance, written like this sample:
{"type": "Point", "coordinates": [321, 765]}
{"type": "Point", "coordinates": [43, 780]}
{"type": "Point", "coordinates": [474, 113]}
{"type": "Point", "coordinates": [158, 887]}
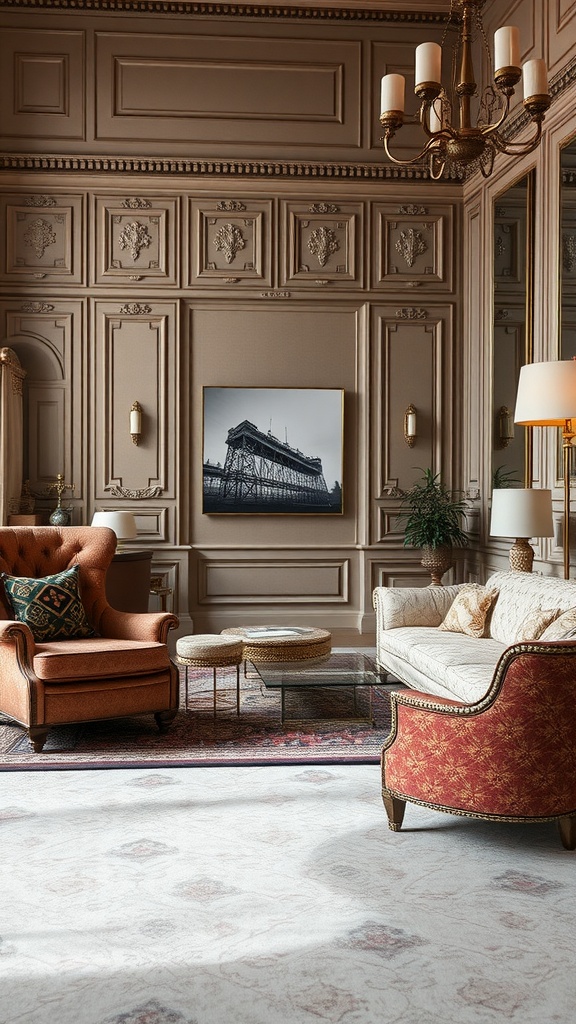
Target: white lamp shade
{"type": "Point", "coordinates": [123, 523]}
{"type": "Point", "coordinates": [546, 394]}
{"type": "Point", "coordinates": [521, 512]}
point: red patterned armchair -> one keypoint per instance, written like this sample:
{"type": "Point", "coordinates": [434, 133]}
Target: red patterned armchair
{"type": "Point", "coordinates": [117, 664]}
{"type": "Point", "coordinates": [510, 757]}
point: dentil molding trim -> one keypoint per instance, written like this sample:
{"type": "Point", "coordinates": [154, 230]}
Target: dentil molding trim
{"type": "Point", "coordinates": [239, 10]}
{"type": "Point", "coordinates": [212, 168]}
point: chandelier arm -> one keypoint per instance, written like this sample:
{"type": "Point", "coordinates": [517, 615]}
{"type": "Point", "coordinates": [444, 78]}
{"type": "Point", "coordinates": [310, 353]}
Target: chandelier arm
{"type": "Point", "coordinates": [518, 148]}
{"type": "Point", "coordinates": [489, 129]}
{"type": "Point", "coordinates": [429, 147]}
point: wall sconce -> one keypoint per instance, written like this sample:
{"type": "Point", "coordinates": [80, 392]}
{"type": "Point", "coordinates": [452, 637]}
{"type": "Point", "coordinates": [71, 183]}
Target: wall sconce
{"type": "Point", "coordinates": [136, 422]}
{"type": "Point", "coordinates": [505, 427]}
{"type": "Point", "coordinates": [410, 426]}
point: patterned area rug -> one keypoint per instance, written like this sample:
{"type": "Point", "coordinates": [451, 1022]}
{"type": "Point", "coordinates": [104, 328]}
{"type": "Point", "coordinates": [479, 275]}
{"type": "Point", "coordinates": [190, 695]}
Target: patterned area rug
{"type": "Point", "coordinates": [321, 727]}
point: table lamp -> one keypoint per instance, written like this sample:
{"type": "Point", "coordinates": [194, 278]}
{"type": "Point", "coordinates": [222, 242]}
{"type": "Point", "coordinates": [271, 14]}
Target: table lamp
{"type": "Point", "coordinates": [123, 524]}
{"type": "Point", "coordinates": [521, 513]}
{"type": "Point", "coordinates": [547, 398]}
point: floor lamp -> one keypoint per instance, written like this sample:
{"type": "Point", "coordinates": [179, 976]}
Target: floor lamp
{"type": "Point", "coordinates": [547, 398]}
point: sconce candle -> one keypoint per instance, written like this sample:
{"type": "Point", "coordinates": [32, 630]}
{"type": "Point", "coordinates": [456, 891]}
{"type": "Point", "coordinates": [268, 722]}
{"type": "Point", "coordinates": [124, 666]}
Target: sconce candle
{"type": "Point", "coordinates": [136, 422]}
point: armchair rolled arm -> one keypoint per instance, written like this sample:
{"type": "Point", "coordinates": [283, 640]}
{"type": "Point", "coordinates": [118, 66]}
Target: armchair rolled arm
{"type": "Point", "coordinates": [412, 606]}
{"type": "Point", "coordinates": [18, 636]}
{"type": "Point", "coordinates": [148, 626]}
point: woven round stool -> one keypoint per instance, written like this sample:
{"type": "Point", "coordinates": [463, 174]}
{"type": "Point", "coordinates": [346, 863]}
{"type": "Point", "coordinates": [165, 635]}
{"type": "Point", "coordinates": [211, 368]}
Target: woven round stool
{"type": "Point", "coordinates": [210, 650]}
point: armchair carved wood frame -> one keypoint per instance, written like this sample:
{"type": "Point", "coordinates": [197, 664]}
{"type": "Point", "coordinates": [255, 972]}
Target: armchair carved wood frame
{"type": "Point", "coordinates": [509, 757]}
{"type": "Point", "coordinates": [125, 670]}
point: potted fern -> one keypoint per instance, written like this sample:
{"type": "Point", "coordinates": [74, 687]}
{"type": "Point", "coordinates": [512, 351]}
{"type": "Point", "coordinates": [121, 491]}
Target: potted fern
{"type": "Point", "coordinates": [432, 516]}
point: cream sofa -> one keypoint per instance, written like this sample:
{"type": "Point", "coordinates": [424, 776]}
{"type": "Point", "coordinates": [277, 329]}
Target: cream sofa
{"type": "Point", "coordinates": [411, 648]}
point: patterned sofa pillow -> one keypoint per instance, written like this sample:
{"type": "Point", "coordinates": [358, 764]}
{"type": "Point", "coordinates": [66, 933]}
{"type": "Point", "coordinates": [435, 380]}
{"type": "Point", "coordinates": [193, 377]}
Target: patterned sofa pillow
{"type": "Point", "coordinates": [469, 610]}
{"type": "Point", "coordinates": [50, 605]}
{"type": "Point", "coordinates": [533, 626]}
{"type": "Point", "coordinates": [562, 627]}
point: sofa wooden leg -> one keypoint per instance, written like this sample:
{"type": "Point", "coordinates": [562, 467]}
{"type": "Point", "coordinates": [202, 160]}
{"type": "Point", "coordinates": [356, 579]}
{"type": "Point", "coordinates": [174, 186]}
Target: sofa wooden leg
{"type": "Point", "coordinates": [164, 718]}
{"type": "Point", "coordinates": [38, 736]}
{"type": "Point", "coordinates": [394, 809]}
{"type": "Point", "coordinates": [567, 829]}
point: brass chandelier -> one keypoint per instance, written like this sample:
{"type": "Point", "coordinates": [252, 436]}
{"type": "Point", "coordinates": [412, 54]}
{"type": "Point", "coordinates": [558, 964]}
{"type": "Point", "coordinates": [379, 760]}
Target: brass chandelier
{"type": "Point", "coordinates": [463, 145]}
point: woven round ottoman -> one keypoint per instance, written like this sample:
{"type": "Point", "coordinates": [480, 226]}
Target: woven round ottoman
{"type": "Point", "coordinates": [281, 643]}
{"type": "Point", "coordinates": [210, 650]}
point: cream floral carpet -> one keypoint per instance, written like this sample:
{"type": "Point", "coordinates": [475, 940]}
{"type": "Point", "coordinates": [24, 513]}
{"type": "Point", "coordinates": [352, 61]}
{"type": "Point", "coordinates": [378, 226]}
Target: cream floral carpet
{"type": "Point", "coordinates": [273, 895]}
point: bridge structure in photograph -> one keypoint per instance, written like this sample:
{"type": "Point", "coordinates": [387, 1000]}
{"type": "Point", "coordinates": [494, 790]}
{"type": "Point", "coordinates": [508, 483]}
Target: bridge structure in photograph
{"type": "Point", "coordinates": [262, 474]}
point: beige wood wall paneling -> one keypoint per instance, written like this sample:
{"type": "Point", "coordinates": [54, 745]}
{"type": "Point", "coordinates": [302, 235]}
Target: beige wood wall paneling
{"type": "Point", "coordinates": [135, 359]}
{"type": "Point", "coordinates": [413, 243]}
{"type": "Point", "coordinates": [402, 339]}
{"type": "Point", "coordinates": [200, 88]}
{"type": "Point", "coordinates": [44, 239]}
{"type": "Point", "coordinates": [321, 244]}
{"type": "Point", "coordinates": [49, 338]}
{"type": "Point", "coordinates": [136, 241]}
{"type": "Point", "coordinates": [42, 71]}
{"type": "Point", "coordinates": [231, 242]}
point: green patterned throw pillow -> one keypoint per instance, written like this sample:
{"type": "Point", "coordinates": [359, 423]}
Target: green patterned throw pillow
{"type": "Point", "coordinates": [50, 606]}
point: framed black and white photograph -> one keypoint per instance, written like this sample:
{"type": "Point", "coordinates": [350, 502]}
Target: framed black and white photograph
{"type": "Point", "coordinates": [273, 450]}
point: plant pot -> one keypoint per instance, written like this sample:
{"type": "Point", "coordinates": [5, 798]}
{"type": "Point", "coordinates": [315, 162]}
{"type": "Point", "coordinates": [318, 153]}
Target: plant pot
{"type": "Point", "coordinates": [437, 561]}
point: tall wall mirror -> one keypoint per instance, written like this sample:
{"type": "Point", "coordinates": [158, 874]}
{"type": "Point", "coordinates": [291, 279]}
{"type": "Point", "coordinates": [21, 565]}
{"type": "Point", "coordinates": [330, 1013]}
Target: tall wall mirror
{"type": "Point", "coordinates": [512, 329]}
{"type": "Point", "coordinates": [567, 325]}
{"type": "Point", "coordinates": [567, 265]}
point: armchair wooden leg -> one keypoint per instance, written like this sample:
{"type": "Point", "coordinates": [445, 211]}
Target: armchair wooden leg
{"type": "Point", "coordinates": [38, 736]}
{"type": "Point", "coordinates": [164, 718]}
{"type": "Point", "coordinates": [394, 809]}
{"type": "Point", "coordinates": [567, 829]}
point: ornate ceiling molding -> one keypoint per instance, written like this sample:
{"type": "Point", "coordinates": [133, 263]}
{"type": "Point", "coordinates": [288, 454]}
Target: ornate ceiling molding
{"type": "Point", "coordinates": [347, 12]}
{"type": "Point", "coordinates": [211, 168]}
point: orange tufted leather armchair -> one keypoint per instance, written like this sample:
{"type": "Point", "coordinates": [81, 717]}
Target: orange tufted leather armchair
{"type": "Point", "coordinates": [125, 670]}
{"type": "Point", "coordinates": [511, 756]}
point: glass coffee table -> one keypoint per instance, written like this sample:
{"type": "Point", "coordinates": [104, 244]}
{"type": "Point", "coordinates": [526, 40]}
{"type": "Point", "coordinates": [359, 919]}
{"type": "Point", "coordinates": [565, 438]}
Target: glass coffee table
{"type": "Point", "coordinates": [341, 670]}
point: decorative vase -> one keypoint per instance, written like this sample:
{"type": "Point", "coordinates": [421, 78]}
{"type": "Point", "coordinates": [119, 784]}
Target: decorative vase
{"type": "Point", "coordinates": [60, 517]}
{"type": "Point", "coordinates": [437, 561]}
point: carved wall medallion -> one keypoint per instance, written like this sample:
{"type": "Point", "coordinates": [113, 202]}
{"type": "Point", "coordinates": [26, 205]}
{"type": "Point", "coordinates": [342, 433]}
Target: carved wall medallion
{"type": "Point", "coordinates": [413, 210]}
{"type": "Point", "coordinates": [39, 236]}
{"type": "Point", "coordinates": [125, 492]}
{"type": "Point", "coordinates": [36, 307]}
{"type": "Point", "coordinates": [40, 201]}
{"type": "Point", "coordinates": [323, 208]}
{"type": "Point", "coordinates": [135, 203]}
{"type": "Point", "coordinates": [229, 240]}
{"type": "Point", "coordinates": [411, 313]}
{"type": "Point", "coordinates": [410, 245]}
{"type": "Point", "coordinates": [230, 205]}
{"type": "Point", "coordinates": [133, 308]}
{"type": "Point", "coordinates": [134, 238]}
{"type": "Point", "coordinates": [322, 244]}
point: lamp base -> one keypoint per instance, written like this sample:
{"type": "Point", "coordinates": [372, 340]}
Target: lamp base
{"type": "Point", "coordinates": [521, 555]}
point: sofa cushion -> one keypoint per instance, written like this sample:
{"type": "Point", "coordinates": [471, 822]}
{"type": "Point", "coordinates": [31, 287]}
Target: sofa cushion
{"type": "Point", "coordinates": [49, 605]}
{"type": "Point", "coordinates": [98, 658]}
{"type": "Point", "coordinates": [520, 593]}
{"type": "Point", "coordinates": [468, 611]}
{"type": "Point", "coordinates": [562, 627]}
{"type": "Point", "coordinates": [443, 663]}
{"type": "Point", "coordinates": [532, 627]}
